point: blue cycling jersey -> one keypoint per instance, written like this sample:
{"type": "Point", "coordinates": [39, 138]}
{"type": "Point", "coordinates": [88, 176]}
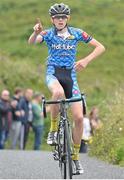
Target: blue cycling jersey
{"type": "Point", "coordinates": [62, 52]}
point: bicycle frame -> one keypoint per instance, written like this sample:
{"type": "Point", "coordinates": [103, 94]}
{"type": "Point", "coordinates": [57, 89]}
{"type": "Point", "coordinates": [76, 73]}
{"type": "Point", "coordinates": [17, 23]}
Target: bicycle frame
{"type": "Point", "coordinates": [64, 147]}
{"type": "Point", "coordinates": [63, 150]}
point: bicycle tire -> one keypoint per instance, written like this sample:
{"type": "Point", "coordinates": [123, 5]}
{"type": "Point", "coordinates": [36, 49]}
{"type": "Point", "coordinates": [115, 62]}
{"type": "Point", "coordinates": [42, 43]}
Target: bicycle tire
{"type": "Point", "coordinates": [61, 151]}
{"type": "Point", "coordinates": [65, 161]}
{"type": "Point", "coordinates": [62, 159]}
{"type": "Point", "coordinates": [67, 148]}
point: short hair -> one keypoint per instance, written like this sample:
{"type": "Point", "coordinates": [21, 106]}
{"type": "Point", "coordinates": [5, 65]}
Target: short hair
{"type": "Point", "coordinates": [37, 94]}
{"type": "Point", "coordinates": [17, 90]}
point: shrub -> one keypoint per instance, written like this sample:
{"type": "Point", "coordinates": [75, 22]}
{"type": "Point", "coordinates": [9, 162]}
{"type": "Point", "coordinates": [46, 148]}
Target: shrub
{"type": "Point", "coordinates": [108, 142]}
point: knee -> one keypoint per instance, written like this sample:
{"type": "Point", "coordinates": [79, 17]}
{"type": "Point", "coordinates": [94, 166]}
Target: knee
{"type": "Point", "coordinates": [58, 93]}
{"type": "Point", "coordinates": [79, 121]}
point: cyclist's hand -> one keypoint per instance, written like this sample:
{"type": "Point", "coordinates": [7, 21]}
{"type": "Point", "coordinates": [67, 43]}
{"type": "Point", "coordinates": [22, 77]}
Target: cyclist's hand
{"type": "Point", "coordinates": [80, 65]}
{"type": "Point", "coordinates": [38, 27]}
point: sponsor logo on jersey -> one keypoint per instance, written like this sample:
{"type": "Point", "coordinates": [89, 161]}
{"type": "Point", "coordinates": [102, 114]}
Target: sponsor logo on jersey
{"type": "Point", "coordinates": [63, 46]}
{"type": "Point", "coordinates": [43, 33]}
{"type": "Point", "coordinates": [71, 37]}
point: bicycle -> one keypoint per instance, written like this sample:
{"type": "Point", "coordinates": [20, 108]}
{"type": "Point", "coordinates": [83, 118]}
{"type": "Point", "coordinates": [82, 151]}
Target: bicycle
{"type": "Point", "coordinates": [63, 150]}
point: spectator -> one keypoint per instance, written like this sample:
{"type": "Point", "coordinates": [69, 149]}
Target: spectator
{"type": "Point", "coordinates": [38, 123]}
{"type": "Point", "coordinates": [5, 117]}
{"type": "Point", "coordinates": [86, 135]}
{"type": "Point", "coordinates": [94, 119]}
{"type": "Point", "coordinates": [90, 125]}
{"type": "Point", "coordinates": [17, 115]}
{"type": "Point", "coordinates": [26, 106]}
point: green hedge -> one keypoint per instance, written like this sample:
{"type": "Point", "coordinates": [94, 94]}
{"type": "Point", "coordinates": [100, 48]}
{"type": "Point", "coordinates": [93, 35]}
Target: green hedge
{"type": "Point", "coordinates": [108, 142]}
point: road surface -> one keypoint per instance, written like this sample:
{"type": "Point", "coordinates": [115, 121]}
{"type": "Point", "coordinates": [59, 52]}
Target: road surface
{"type": "Point", "coordinates": [40, 165]}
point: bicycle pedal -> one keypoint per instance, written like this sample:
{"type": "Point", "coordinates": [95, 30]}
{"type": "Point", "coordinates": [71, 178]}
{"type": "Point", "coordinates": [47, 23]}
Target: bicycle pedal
{"type": "Point", "coordinates": [55, 156]}
{"type": "Point", "coordinates": [63, 157]}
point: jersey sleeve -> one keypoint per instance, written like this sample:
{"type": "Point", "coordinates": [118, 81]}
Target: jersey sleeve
{"type": "Point", "coordinates": [83, 36]}
{"type": "Point", "coordinates": [46, 35]}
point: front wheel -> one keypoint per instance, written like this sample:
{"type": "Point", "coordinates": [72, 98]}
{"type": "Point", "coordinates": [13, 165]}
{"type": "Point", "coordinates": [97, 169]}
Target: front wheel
{"type": "Point", "coordinates": [67, 163]}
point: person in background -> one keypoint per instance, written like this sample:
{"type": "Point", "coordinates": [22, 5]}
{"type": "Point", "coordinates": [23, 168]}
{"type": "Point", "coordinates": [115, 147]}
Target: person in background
{"type": "Point", "coordinates": [86, 135]}
{"type": "Point", "coordinates": [94, 120]}
{"type": "Point", "coordinates": [90, 125]}
{"type": "Point", "coordinates": [5, 117]}
{"type": "Point", "coordinates": [26, 106]}
{"type": "Point", "coordinates": [38, 120]}
{"type": "Point", "coordinates": [17, 115]}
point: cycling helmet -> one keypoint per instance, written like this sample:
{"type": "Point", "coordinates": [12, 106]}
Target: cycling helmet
{"type": "Point", "coordinates": [59, 9]}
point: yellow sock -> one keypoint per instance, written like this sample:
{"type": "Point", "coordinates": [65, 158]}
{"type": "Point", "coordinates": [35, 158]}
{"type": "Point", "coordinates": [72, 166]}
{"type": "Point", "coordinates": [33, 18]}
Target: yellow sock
{"type": "Point", "coordinates": [75, 156]}
{"type": "Point", "coordinates": [54, 125]}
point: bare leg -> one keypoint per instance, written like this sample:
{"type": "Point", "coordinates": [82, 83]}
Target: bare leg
{"type": "Point", "coordinates": [57, 93]}
{"type": "Point", "coordinates": [77, 112]}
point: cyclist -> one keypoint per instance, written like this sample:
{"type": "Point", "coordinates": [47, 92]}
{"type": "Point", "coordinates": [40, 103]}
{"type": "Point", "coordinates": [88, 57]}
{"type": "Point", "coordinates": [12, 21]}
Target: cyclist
{"type": "Point", "coordinates": [62, 67]}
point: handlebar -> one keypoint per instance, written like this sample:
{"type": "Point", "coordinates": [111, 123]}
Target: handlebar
{"type": "Point", "coordinates": [64, 101]}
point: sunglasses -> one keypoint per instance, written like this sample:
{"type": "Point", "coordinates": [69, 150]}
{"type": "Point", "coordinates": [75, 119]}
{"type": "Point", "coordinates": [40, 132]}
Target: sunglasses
{"type": "Point", "coordinates": [60, 17]}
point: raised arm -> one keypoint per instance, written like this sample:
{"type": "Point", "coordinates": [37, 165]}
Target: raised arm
{"type": "Point", "coordinates": [35, 37]}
